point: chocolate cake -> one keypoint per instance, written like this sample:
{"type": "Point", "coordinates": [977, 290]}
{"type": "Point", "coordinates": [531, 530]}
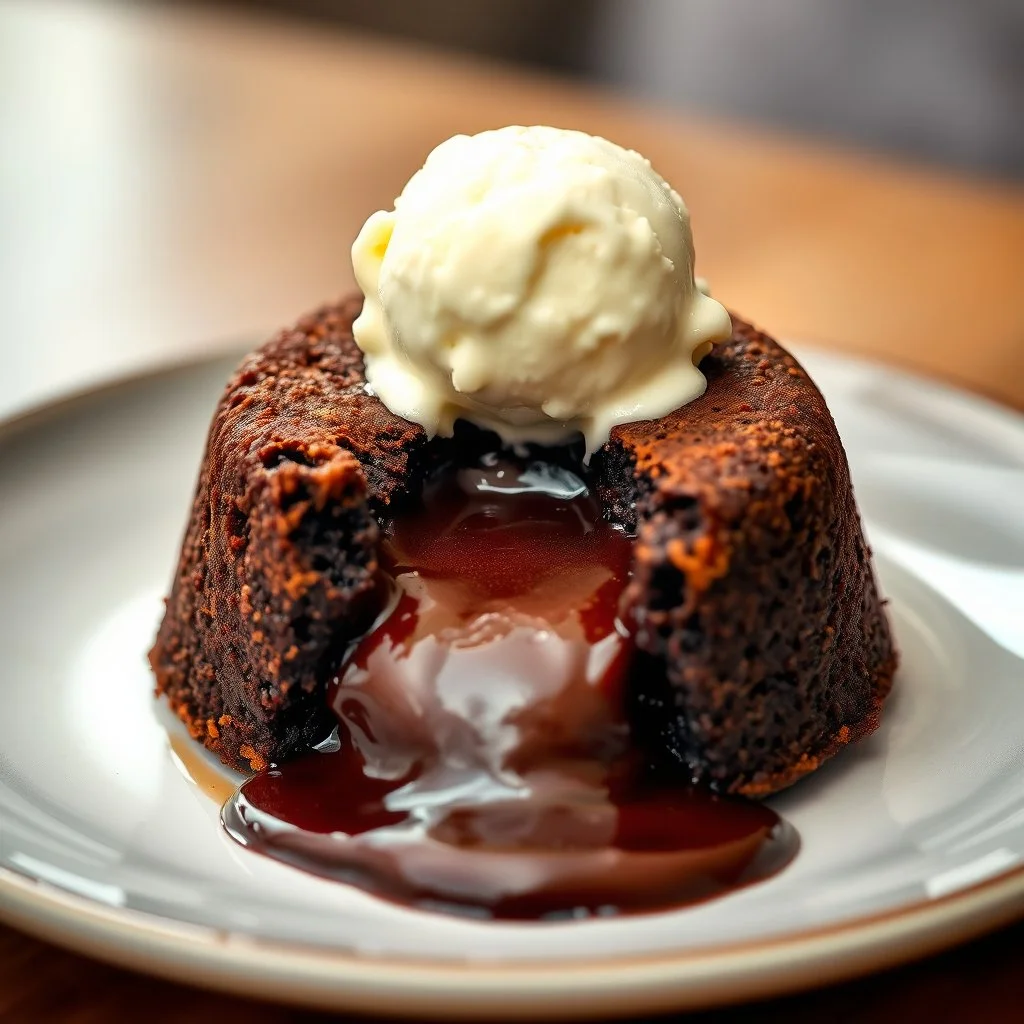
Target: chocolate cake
{"type": "Point", "coordinates": [762, 647]}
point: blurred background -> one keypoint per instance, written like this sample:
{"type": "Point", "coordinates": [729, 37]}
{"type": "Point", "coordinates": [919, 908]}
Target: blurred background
{"type": "Point", "coordinates": [939, 80]}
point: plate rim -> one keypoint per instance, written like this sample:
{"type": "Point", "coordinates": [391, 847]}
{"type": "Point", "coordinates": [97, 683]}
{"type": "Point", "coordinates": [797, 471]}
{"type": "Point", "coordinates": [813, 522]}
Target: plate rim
{"type": "Point", "coordinates": [324, 978]}
{"type": "Point", "coordinates": [319, 977]}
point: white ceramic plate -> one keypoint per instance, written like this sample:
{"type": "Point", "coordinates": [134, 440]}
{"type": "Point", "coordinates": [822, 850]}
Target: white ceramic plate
{"type": "Point", "coordinates": [911, 841]}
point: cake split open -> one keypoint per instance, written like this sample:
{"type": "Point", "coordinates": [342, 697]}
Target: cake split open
{"type": "Point", "coordinates": [482, 760]}
{"type": "Point", "coordinates": [758, 642]}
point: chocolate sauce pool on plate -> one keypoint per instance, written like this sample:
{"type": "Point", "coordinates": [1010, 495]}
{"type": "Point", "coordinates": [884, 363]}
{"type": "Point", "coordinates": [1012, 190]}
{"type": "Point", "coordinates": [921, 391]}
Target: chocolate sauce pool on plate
{"type": "Point", "coordinates": [482, 762]}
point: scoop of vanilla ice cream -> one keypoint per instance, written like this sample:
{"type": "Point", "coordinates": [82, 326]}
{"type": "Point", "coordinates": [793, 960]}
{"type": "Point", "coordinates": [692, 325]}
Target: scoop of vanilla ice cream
{"type": "Point", "coordinates": [537, 282]}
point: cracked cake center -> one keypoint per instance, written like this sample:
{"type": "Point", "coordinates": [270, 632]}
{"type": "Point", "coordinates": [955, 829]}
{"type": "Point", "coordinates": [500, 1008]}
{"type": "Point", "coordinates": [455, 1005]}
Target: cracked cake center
{"type": "Point", "coordinates": [482, 758]}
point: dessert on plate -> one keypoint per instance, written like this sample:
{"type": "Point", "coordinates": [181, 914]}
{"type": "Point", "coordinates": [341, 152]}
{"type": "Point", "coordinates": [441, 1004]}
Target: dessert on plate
{"type": "Point", "coordinates": [497, 573]}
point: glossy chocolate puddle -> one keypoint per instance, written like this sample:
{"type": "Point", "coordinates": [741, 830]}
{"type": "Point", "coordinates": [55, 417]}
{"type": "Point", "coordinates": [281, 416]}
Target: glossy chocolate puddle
{"type": "Point", "coordinates": [482, 761]}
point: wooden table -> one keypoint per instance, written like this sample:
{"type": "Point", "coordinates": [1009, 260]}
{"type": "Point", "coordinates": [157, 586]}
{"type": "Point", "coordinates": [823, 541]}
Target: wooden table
{"type": "Point", "coordinates": [171, 180]}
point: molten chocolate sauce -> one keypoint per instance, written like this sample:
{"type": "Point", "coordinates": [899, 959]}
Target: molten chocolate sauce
{"type": "Point", "coordinates": [482, 761]}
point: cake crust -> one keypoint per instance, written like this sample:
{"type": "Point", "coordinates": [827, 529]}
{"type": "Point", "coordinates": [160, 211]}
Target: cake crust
{"type": "Point", "coordinates": [763, 645]}
{"type": "Point", "coordinates": [753, 589]}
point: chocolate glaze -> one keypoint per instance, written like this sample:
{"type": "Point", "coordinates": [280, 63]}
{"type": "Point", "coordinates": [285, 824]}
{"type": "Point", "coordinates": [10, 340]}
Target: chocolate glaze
{"type": "Point", "coordinates": [482, 761]}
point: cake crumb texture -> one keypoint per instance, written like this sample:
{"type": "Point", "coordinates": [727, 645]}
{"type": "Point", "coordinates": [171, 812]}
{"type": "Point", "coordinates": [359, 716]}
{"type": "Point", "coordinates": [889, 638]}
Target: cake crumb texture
{"type": "Point", "coordinates": [763, 644]}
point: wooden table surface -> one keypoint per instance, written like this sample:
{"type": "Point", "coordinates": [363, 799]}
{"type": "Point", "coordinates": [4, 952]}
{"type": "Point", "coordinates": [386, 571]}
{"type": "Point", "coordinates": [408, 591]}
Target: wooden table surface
{"type": "Point", "coordinates": [172, 179]}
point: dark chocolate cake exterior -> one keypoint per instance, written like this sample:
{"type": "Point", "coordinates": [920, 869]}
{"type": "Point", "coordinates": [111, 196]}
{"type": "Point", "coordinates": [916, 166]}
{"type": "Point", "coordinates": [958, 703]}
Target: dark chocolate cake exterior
{"type": "Point", "coordinates": [763, 646]}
